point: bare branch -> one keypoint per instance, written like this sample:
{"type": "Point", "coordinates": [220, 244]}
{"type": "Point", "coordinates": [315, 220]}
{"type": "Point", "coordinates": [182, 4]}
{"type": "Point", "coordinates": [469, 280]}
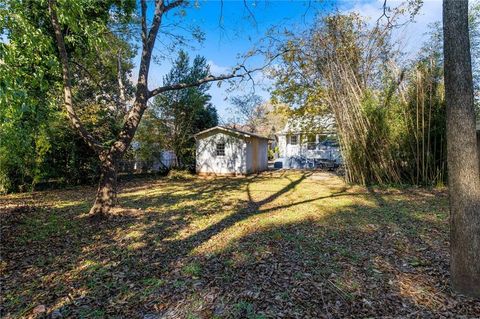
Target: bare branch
{"type": "Point", "coordinates": [172, 5]}
{"type": "Point", "coordinates": [392, 15]}
{"type": "Point", "coordinates": [67, 85]}
{"type": "Point", "coordinates": [180, 86]}
{"type": "Point", "coordinates": [212, 78]}
{"type": "Point", "coordinates": [384, 14]}
{"type": "Point", "coordinates": [250, 13]}
{"type": "Point", "coordinates": [220, 18]}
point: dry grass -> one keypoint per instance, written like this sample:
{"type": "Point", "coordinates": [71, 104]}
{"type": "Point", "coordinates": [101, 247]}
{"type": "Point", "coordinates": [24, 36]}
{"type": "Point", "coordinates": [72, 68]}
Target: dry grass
{"type": "Point", "coordinates": [291, 244]}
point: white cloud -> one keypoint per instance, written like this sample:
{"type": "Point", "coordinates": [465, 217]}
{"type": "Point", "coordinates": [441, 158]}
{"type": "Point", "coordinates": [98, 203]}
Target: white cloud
{"type": "Point", "coordinates": [412, 35]}
{"type": "Point", "coordinates": [217, 69]}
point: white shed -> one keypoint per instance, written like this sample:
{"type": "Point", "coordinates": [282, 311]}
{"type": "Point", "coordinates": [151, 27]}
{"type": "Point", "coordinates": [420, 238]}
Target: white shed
{"type": "Point", "coordinates": [225, 151]}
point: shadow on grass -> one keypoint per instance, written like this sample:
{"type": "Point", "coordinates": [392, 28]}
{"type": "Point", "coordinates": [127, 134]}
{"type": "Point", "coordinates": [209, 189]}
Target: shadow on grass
{"type": "Point", "coordinates": [357, 260]}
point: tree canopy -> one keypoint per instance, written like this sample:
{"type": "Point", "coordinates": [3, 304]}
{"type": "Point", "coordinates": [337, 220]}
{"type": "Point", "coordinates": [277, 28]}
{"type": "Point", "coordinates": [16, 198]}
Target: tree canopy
{"type": "Point", "coordinates": [174, 117]}
{"type": "Point", "coordinates": [37, 142]}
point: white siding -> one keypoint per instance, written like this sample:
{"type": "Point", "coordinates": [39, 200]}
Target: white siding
{"type": "Point", "coordinates": [282, 145]}
{"type": "Point", "coordinates": [286, 149]}
{"type": "Point", "coordinates": [301, 149]}
{"type": "Point", "coordinates": [233, 162]}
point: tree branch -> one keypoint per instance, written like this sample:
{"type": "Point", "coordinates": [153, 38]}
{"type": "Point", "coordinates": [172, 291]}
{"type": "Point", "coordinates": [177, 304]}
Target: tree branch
{"type": "Point", "coordinates": [179, 86]}
{"type": "Point", "coordinates": [172, 5]}
{"type": "Point", "coordinates": [141, 96]}
{"type": "Point", "coordinates": [384, 14]}
{"type": "Point", "coordinates": [121, 86]}
{"type": "Point", "coordinates": [212, 78]}
{"type": "Point", "coordinates": [143, 5]}
{"type": "Point", "coordinates": [67, 85]}
{"type": "Point", "coordinates": [157, 19]}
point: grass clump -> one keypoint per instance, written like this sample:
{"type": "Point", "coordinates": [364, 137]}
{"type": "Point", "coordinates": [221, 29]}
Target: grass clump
{"type": "Point", "coordinates": [180, 175]}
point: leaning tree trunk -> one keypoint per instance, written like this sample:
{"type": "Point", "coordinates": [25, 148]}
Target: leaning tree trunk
{"type": "Point", "coordinates": [462, 156]}
{"type": "Point", "coordinates": [107, 186]}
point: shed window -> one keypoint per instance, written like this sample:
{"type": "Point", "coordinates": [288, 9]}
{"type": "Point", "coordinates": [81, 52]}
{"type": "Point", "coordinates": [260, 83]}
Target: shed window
{"type": "Point", "coordinates": [293, 139]}
{"type": "Point", "coordinates": [220, 150]}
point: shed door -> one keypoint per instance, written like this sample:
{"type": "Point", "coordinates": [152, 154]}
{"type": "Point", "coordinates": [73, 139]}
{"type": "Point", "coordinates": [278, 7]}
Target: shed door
{"type": "Point", "coordinates": [255, 155]}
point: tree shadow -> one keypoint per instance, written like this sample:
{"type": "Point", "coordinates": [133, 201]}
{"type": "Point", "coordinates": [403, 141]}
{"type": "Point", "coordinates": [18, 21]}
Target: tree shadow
{"type": "Point", "coordinates": [33, 244]}
{"type": "Point", "coordinates": [146, 261]}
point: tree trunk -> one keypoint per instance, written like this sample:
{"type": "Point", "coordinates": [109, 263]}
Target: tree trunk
{"type": "Point", "coordinates": [463, 165]}
{"type": "Point", "coordinates": [107, 186]}
{"type": "Point", "coordinates": [106, 190]}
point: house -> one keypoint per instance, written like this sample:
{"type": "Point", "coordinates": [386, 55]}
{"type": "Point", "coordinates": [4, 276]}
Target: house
{"type": "Point", "coordinates": [161, 160]}
{"type": "Point", "coordinates": [164, 160]}
{"type": "Point", "coordinates": [308, 142]}
{"type": "Point", "coordinates": [226, 151]}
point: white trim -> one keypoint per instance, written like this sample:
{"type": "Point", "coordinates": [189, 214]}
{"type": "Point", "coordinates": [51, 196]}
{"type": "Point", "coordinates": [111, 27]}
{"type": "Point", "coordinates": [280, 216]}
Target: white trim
{"type": "Point", "coordinates": [230, 130]}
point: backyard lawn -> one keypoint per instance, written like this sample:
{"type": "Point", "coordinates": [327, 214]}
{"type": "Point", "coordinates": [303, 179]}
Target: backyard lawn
{"type": "Point", "coordinates": [281, 244]}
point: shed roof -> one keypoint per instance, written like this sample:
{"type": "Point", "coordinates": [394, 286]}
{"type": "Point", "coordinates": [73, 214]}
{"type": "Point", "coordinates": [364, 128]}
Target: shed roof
{"type": "Point", "coordinates": [230, 130]}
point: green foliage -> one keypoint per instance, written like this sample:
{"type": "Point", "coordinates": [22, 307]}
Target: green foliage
{"type": "Point", "coordinates": [272, 152]}
{"type": "Point", "coordinates": [390, 118]}
{"type": "Point", "coordinates": [175, 116]}
{"type": "Point", "coordinates": [193, 269]}
{"type": "Point", "coordinates": [37, 143]}
{"type": "Point", "coordinates": [422, 141]}
{"type": "Point", "coordinates": [244, 309]}
{"type": "Point", "coordinates": [28, 79]}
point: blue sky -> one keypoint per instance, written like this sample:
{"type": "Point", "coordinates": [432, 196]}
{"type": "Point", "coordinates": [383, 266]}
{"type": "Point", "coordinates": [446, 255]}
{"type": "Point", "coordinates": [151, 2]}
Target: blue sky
{"type": "Point", "coordinates": [232, 31]}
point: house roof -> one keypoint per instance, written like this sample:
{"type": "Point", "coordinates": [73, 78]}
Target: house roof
{"type": "Point", "coordinates": [230, 130]}
{"type": "Point", "coordinates": [309, 124]}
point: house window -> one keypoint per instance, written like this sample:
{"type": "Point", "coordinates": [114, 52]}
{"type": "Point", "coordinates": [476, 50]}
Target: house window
{"type": "Point", "coordinates": [293, 139]}
{"type": "Point", "coordinates": [220, 150]}
{"type": "Point", "coordinates": [312, 142]}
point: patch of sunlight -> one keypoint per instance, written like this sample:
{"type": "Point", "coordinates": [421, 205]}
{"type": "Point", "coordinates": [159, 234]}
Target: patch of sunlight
{"type": "Point", "coordinates": [431, 215]}
{"type": "Point", "coordinates": [137, 245]}
{"type": "Point", "coordinates": [225, 238]}
{"type": "Point", "coordinates": [368, 228]}
{"type": "Point", "coordinates": [16, 196]}
{"type": "Point", "coordinates": [150, 192]}
{"type": "Point", "coordinates": [66, 204]}
{"type": "Point", "coordinates": [348, 284]}
{"type": "Point", "coordinates": [201, 224]}
{"type": "Point", "coordinates": [134, 234]}
{"type": "Point", "coordinates": [3, 265]}
{"type": "Point", "coordinates": [361, 200]}
{"type": "Point", "coordinates": [419, 290]}
{"type": "Point", "coordinates": [87, 264]}
{"type": "Point", "coordinates": [283, 215]}
{"type": "Point", "coordinates": [263, 188]}
{"type": "Point", "coordinates": [126, 296]}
